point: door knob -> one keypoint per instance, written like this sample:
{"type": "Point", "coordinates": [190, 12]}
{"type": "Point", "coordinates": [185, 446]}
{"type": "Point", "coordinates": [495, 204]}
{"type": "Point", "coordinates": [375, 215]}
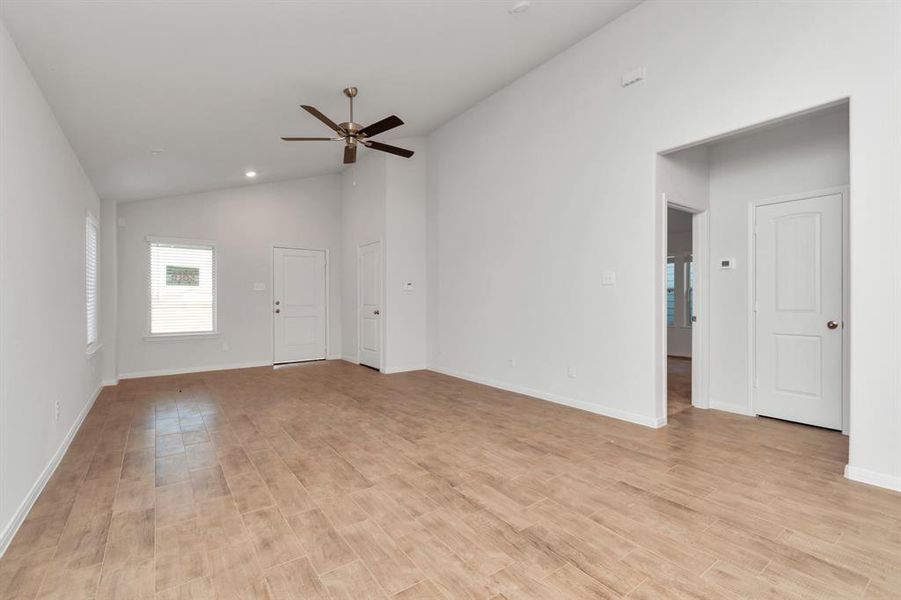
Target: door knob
{"type": "Point", "coordinates": [278, 310]}
{"type": "Point", "coordinates": [277, 302]}
{"type": "Point", "coordinates": [832, 325]}
{"type": "Point", "coordinates": [376, 312]}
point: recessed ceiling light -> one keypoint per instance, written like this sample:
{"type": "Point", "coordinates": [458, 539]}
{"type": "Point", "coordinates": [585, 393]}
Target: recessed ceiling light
{"type": "Point", "coordinates": [251, 174]}
{"type": "Point", "coordinates": [520, 7]}
{"type": "Point", "coordinates": [156, 151]}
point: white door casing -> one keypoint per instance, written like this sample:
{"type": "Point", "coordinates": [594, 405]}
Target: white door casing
{"type": "Point", "coordinates": [370, 303]}
{"type": "Point", "coordinates": [798, 310]}
{"type": "Point", "coordinates": [299, 305]}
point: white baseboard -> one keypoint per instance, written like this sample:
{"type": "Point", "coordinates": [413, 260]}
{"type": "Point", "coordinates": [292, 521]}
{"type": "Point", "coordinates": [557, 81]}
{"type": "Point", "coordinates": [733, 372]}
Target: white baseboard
{"type": "Point", "coordinates": [333, 357]}
{"type": "Point", "coordinates": [350, 359]}
{"type": "Point", "coordinates": [403, 368]}
{"type": "Point", "coordinates": [739, 409]}
{"type": "Point", "coordinates": [108, 382]}
{"type": "Point", "coordinates": [598, 409]}
{"type": "Point", "coordinates": [883, 480]}
{"type": "Point", "coordinates": [201, 369]}
{"type": "Point", "coordinates": [9, 531]}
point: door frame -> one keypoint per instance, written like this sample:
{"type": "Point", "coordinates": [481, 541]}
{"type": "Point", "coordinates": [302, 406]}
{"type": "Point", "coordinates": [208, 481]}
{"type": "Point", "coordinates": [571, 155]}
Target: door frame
{"type": "Point", "coordinates": [382, 313]}
{"type": "Point", "coordinates": [845, 192]}
{"type": "Point", "coordinates": [700, 333]}
{"type": "Point", "coordinates": [328, 327]}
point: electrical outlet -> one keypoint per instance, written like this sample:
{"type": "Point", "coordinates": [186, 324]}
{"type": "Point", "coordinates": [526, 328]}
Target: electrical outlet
{"type": "Point", "coordinates": [571, 372]}
{"type": "Point", "coordinates": [511, 362]}
{"type": "Point", "coordinates": [225, 347]}
{"type": "Point", "coordinates": [56, 411]}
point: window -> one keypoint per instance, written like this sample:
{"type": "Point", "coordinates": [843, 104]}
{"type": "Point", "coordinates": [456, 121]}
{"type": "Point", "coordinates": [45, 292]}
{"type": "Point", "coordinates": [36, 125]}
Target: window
{"type": "Point", "coordinates": [182, 287]}
{"type": "Point", "coordinates": [670, 291]}
{"type": "Point", "coordinates": [90, 267]}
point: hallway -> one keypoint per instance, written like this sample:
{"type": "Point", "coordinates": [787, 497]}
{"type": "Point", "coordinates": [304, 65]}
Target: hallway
{"type": "Point", "coordinates": [678, 385]}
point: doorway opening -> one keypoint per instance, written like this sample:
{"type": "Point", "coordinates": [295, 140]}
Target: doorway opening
{"type": "Point", "coordinates": [758, 324]}
{"type": "Point", "coordinates": [680, 279]}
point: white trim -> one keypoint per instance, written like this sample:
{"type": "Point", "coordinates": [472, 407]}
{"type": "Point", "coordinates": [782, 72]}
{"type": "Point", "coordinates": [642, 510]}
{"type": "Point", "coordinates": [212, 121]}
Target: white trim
{"type": "Point", "coordinates": [180, 337]}
{"type": "Point", "coordinates": [732, 407]}
{"type": "Point", "coordinates": [700, 329]}
{"type": "Point", "coordinates": [174, 241]}
{"type": "Point", "coordinates": [201, 369]}
{"type": "Point", "coordinates": [93, 348]}
{"type": "Point", "coordinates": [753, 205]}
{"type": "Point", "coordinates": [109, 382]}
{"type": "Point", "coordinates": [591, 407]}
{"type": "Point", "coordinates": [19, 516]}
{"type": "Point", "coordinates": [883, 480]}
{"type": "Point", "coordinates": [350, 359]}
{"type": "Point", "coordinates": [405, 368]}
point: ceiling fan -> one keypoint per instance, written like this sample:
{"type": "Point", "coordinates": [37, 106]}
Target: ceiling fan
{"type": "Point", "coordinates": [354, 134]}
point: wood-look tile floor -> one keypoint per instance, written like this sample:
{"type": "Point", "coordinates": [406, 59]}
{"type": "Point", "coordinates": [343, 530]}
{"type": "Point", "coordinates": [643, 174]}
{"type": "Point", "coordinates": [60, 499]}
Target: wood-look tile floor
{"type": "Point", "coordinates": [331, 481]}
{"type": "Point", "coordinates": [678, 385]}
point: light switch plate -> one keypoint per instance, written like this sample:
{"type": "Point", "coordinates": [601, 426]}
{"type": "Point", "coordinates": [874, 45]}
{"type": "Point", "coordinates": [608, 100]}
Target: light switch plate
{"type": "Point", "coordinates": [259, 287]}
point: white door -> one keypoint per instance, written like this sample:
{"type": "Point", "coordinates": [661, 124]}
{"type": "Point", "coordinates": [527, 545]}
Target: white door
{"type": "Point", "coordinates": [299, 305]}
{"type": "Point", "coordinates": [799, 311]}
{"type": "Point", "coordinates": [370, 285]}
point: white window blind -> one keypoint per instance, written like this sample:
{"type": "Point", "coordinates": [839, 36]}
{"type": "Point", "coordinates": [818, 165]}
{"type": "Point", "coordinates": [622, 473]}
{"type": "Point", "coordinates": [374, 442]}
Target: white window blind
{"type": "Point", "coordinates": [90, 261]}
{"type": "Point", "coordinates": [182, 287]}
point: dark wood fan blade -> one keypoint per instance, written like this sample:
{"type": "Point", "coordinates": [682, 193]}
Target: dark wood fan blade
{"type": "Point", "coordinates": [380, 126]}
{"type": "Point", "coordinates": [307, 139]}
{"type": "Point", "coordinates": [350, 154]}
{"type": "Point", "coordinates": [315, 112]}
{"type": "Point", "coordinates": [390, 149]}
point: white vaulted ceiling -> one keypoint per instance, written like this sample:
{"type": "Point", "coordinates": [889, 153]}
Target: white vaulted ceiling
{"type": "Point", "coordinates": [215, 83]}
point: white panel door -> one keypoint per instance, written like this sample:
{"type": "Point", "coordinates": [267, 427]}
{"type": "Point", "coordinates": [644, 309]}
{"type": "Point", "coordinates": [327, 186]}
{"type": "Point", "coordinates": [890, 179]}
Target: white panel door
{"type": "Point", "coordinates": [299, 305]}
{"type": "Point", "coordinates": [798, 273]}
{"type": "Point", "coordinates": [370, 286]}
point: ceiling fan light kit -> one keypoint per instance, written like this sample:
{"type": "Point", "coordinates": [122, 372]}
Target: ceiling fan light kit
{"type": "Point", "coordinates": [354, 134]}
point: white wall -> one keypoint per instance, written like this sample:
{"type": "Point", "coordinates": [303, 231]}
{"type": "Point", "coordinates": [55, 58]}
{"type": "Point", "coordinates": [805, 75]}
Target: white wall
{"type": "Point", "coordinates": [384, 199]}
{"type": "Point", "coordinates": [44, 198]}
{"type": "Point", "coordinates": [245, 223]}
{"type": "Point", "coordinates": [526, 218]}
{"type": "Point", "coordinates": [684, 178]}
{"type": "Point", "coordinates": [405, 251]}
{"type": "Point", "coordinates": [798, 156]}
{"type": "Point", "coordinates": [363, 193]}
{"type": "Point", "coordinates": [109, 297]}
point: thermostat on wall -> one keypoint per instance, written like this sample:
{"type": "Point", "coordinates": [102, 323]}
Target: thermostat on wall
{"type": "Point", "coordinates": [727, 263]}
